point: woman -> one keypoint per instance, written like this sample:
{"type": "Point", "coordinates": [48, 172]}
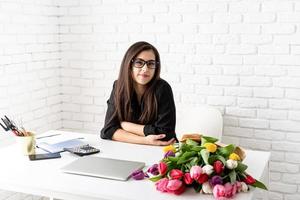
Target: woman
{"type": "Point", "coordinates": [141, 107]}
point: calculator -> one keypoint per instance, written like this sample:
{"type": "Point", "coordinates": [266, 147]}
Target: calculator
{"type": "Point", "coordinates": [83, 150]}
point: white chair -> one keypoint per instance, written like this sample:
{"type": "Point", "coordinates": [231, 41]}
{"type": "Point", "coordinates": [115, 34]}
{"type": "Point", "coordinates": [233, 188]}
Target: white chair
{"type": "Point", "coordinates": [205, 120]}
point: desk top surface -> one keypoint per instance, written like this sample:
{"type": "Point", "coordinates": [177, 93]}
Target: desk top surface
{"type": "Point", "coordinates": [45, 178]}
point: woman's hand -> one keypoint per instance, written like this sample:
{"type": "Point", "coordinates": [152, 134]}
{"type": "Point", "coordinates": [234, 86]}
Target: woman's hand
{"type": "Point", "coordinates": [123, 125]}
{"type": "Point", "coordinates": [156, 140]}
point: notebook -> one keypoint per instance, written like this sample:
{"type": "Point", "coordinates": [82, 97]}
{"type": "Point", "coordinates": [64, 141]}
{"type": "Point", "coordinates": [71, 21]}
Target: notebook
{"type": "Point", "coordinates": [56, 142]}
{"type": "Point", "coordinates": [103, 167]}
{"type": "Point", "coordinates": [59, 147]}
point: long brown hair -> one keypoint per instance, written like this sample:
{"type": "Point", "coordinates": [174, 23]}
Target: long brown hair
{"type": "Point", "coordinates": [124, 88]}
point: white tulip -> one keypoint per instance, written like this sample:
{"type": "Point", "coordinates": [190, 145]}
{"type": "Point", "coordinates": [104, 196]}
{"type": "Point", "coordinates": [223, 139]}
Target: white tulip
{"type": "Point", "coordinates": [206, 188]}
{"type": "Point", "coordinates": [231, 164]}
{"type": "Point", "coordinates": [207, 169]}
{"type": "Point", "coordinates": [244, 187]}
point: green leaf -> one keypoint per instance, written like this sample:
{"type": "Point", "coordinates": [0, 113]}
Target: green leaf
{"type": "Point", "coordinates": [185, 157]}
{"type": "Point", "coordinates": [197, 187]}
{"type": "Point", "coordinates": [260, 185]}
{"type": "Point", "coordinates": [242, 175]}
{"type": "Point", "coordinates": [172, 165]}
{"type": "Point", "coordinates": [226, 151]}
{"type": "Point", "coordinates": [173, 159]}
{"type": "Point", "coordinates": [155, 178]}
{"type": "Point", "coordinates": [184, 147]}
{"type": "Point", "coordinates": [194, 161]}
{"type": "Point", "coordinates": [205, 155]}
{"type": "Point", "coordinates": [206, 139]}
{"type": "Point", "coordinates": [191, 142]}
{"type": "Point", "coordinates": [232, 176]}
{"type": "Point", "coordinates": [197, 148]}
{"type": "Point", "coordinates": [241, 167]}
{"type": "Point", "coordinates": [213, 158]}
{"type": "Point", "coordinates": [187, 167]}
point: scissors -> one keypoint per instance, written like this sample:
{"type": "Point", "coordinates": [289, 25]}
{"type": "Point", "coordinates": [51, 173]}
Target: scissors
{"type": "Point", "coordinates": [10, 125]}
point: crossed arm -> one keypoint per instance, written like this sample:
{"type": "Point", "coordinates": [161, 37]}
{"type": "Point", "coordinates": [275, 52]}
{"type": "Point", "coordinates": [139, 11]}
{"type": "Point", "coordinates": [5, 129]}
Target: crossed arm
{"type": "Point", "coordinates": [160, 132]}
{"type": "Point", "coordinates": [134, 133]}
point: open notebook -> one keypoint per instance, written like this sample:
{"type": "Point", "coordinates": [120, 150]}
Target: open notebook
{"type": "Point", "coordinates": [59, 147]}
{"type": "Point", "coordinates": [54, 143]}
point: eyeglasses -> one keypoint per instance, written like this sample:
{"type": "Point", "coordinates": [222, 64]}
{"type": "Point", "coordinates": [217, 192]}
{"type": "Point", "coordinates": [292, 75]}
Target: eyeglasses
{"type": "Point", "coordinates": [139, 63]}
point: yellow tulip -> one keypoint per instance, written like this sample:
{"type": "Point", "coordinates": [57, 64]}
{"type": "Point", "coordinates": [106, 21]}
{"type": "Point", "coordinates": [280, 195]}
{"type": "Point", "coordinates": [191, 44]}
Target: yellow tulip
{"type": "Point", "coordinates": [234, 156]}
{"type": "Point", "coordinates": [169, 148]}
{"type": "Point", "coordinates": [210, 147]}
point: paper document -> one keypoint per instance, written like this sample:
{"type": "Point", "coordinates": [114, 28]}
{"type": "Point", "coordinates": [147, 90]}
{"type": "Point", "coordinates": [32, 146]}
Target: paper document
{"type": "Point", "coordinates": [57, 142]}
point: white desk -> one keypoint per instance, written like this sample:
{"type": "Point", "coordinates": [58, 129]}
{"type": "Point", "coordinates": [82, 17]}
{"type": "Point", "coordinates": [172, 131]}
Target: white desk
{"type": "Point", "coordinates": [44, 177]}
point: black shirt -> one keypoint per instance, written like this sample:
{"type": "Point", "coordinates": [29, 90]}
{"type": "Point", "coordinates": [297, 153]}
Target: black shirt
{"type": "Point", "coordinates": [166, 114]}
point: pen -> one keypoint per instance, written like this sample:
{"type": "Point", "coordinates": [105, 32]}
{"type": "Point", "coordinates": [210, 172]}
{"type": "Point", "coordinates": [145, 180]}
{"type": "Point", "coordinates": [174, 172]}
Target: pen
{"type": "Point", "coordinates": [48, 136]}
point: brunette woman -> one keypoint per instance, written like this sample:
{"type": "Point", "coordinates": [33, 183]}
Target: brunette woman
{"type": "Point", "coordinates": [141, 106]}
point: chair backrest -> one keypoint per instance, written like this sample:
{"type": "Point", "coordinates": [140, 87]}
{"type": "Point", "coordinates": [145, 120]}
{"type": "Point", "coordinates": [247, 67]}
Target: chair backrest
{"type": "Point", "coordinates": [205, 120]}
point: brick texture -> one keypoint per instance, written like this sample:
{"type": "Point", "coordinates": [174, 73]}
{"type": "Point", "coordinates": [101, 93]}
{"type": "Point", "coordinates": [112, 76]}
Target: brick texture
{"type": "Point", "coordinates": [59, 58]}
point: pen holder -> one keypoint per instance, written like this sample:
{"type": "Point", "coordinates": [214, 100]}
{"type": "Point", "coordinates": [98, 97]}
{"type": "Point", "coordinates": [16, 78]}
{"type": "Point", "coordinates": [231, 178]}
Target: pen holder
{"type": "Point", "coordinates": [26, 144]}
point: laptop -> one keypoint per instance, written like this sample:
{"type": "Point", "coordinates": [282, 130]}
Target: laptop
{"type": "Point", "coordinates": [103, 167]}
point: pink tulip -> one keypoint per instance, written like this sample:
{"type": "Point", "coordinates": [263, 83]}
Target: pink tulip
{"type": "Point", "coordinates": [176, 174]}
{"type": "Point", "coordinates": [219, 192]}
{"type": "Point", "coordinates": [187, 179]}
{"type": "Point", "coordinates": [195, 172]}
{"type": "Point", "coordinates": [162, 168]}
{"type": "Point", "coordinates": [180, 190]}
{"type": "Point", "coordinates": [174, 184]}
{"type": "Point", "coordinates": [238, 186]}
{"type": "Point", "coordinates": [234, 189]}
{"type": "Point", "coordinates": [161, 185]}
{"type": "Point", "coordinates": [228, 190]}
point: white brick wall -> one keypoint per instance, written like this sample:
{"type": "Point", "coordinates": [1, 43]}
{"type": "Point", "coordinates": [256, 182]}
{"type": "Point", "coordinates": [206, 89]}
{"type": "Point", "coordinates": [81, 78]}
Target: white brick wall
{"type": "Point", "coordinates": [242, 57]}
{"type": "Point", "coordinates": [29, 69]}
{"type": "Point", "coordinates": [30, 63]}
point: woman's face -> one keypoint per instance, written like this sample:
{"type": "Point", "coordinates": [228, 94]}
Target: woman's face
{"type": "Point", "coordinates": [143, 67]}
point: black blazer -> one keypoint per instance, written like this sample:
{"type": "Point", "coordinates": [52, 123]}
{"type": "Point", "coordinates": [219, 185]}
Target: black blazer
{"type": "Point", "coordinates": [163, 124]}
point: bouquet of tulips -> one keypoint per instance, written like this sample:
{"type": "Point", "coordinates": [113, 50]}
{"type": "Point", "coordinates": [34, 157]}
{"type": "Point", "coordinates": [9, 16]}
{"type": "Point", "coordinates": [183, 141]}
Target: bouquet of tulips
{"type": "Point", "coordinates": [199, 162]}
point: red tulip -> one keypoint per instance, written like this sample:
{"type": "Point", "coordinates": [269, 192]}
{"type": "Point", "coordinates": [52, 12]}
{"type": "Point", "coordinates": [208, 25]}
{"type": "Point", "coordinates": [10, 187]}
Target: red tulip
{"type": "Point", "coordinates": [218, 167]}
{"type": "Point", "coordinates": [162, 168]}
{"type": "Point", "coordinates": [187, 179]}
{"type": "Point", "coordinates": [249, 180]}
{"type": "Point", "coordinates": [203, 178]}
{"type": "Point", "coordinates": [176, 174]}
